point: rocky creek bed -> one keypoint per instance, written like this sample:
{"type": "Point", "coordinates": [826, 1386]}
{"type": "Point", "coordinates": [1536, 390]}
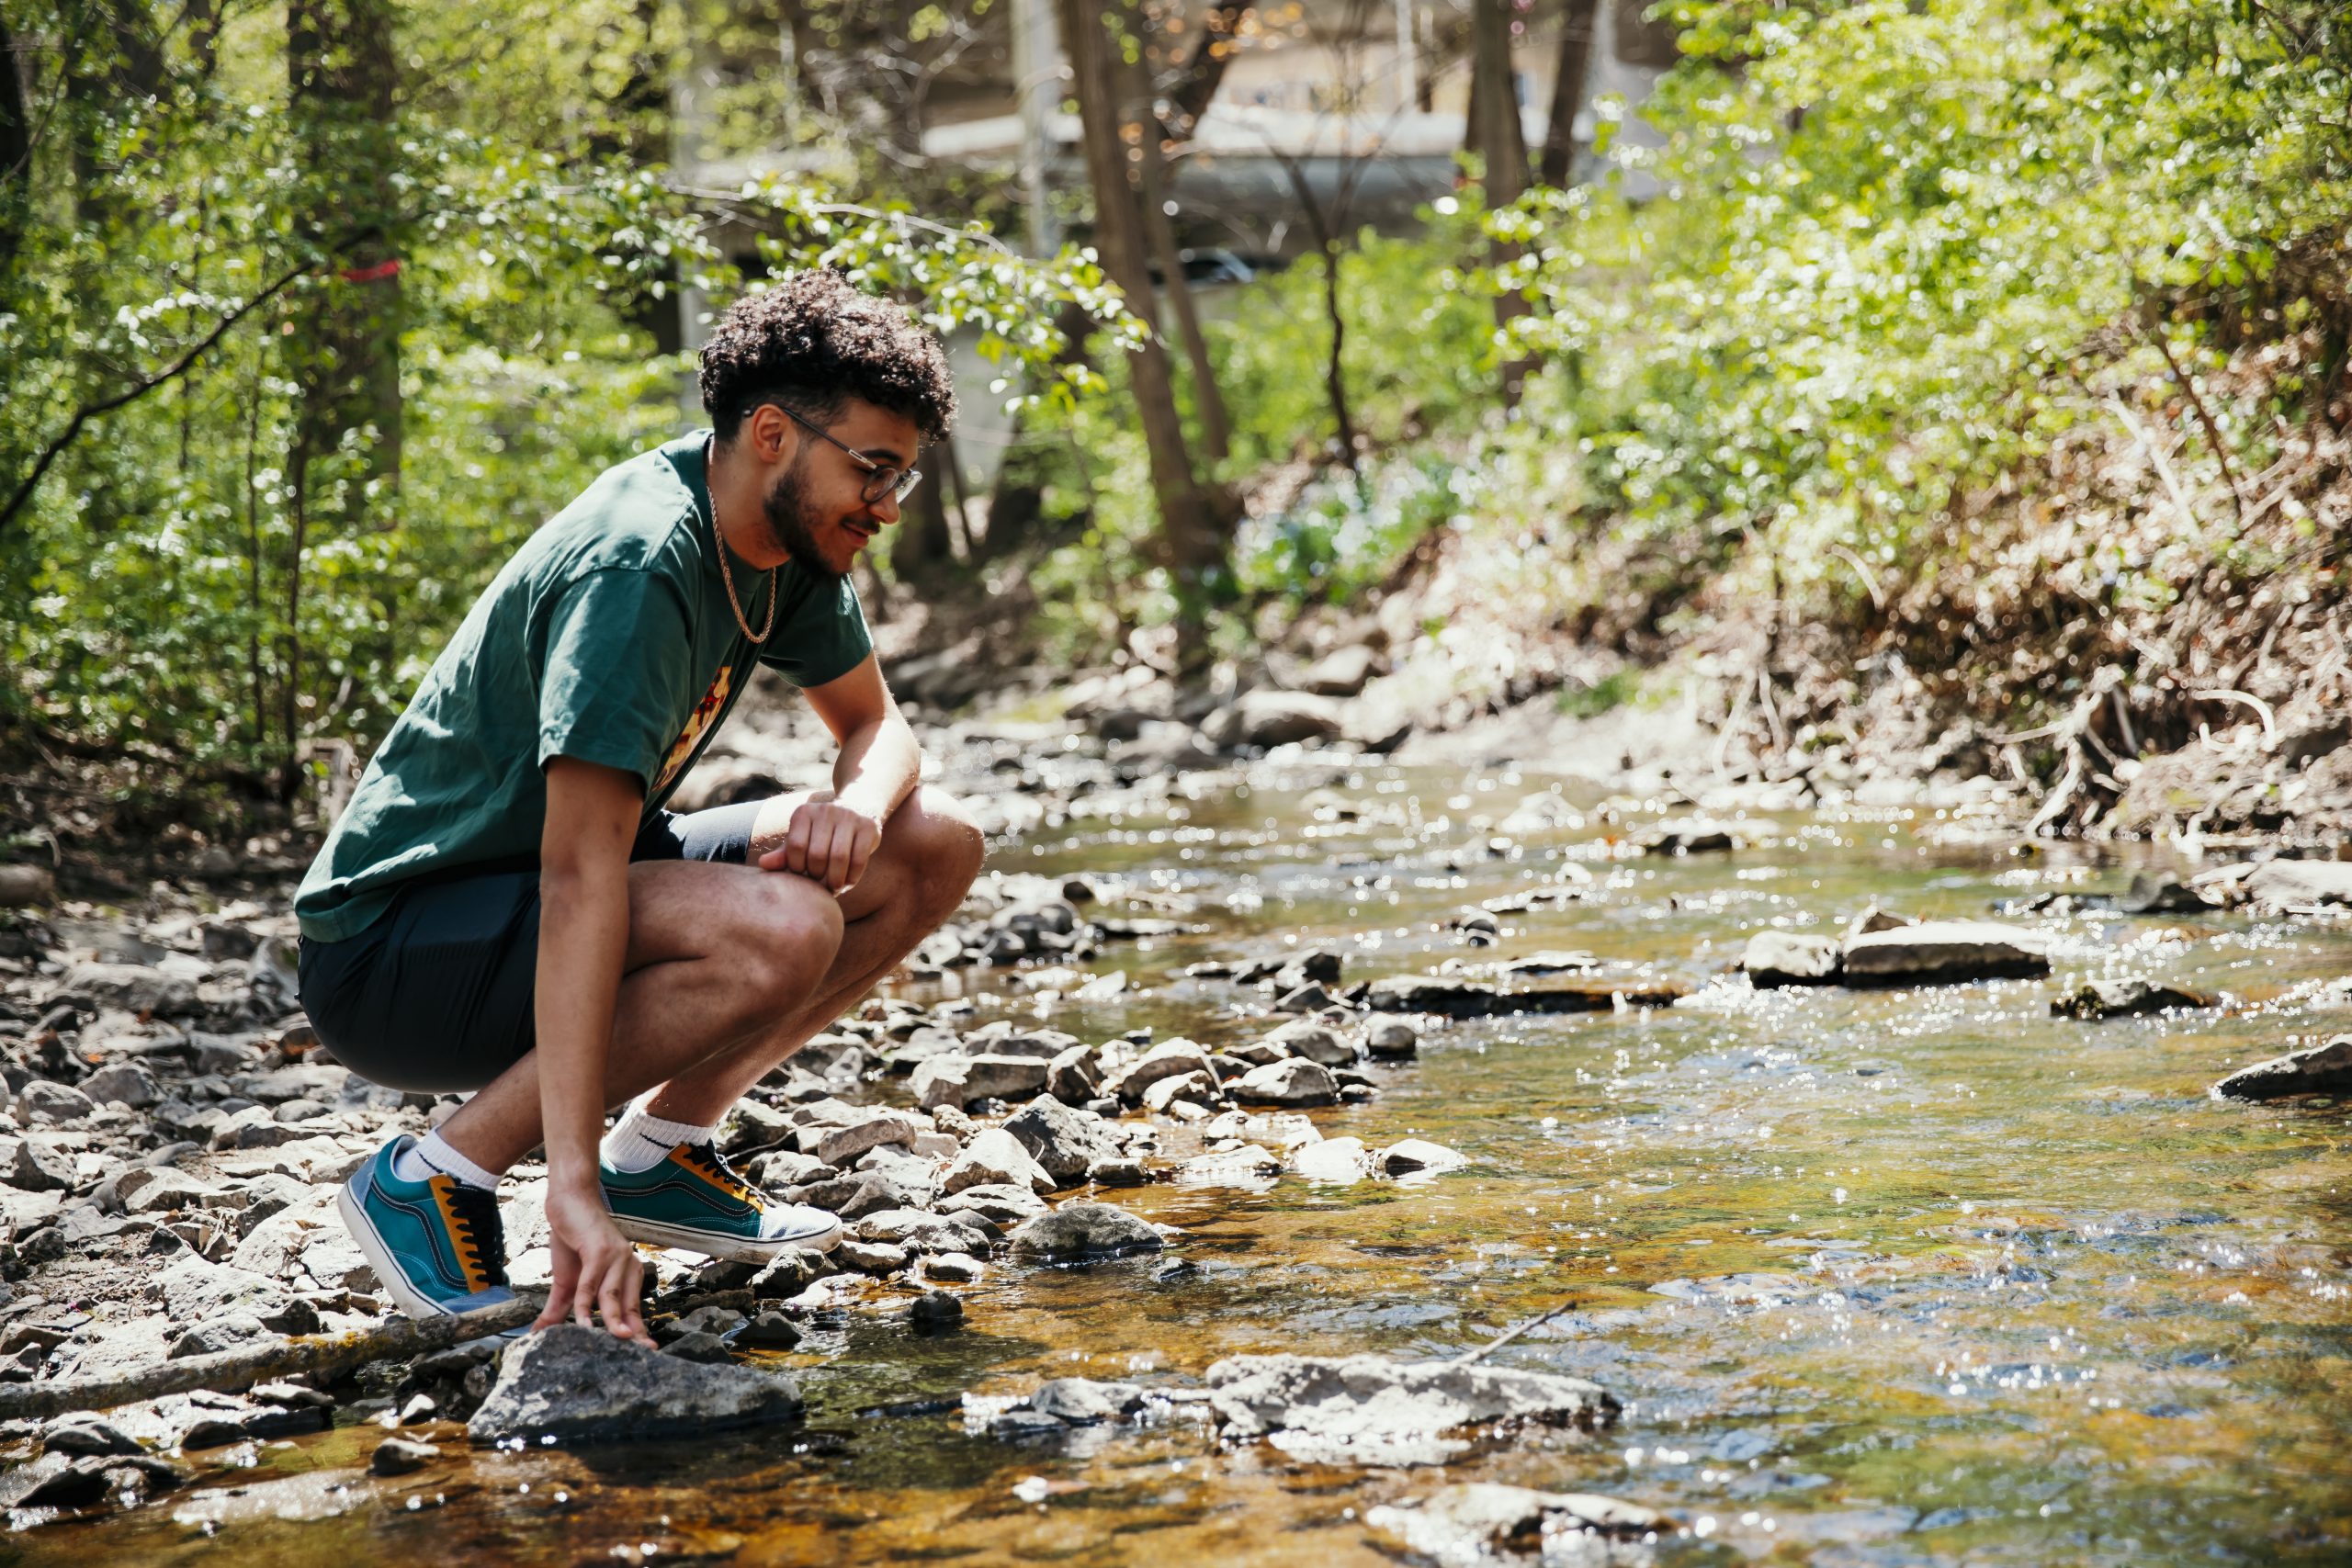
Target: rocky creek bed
{"type": "Point", "coordinates": [1854, 1177]}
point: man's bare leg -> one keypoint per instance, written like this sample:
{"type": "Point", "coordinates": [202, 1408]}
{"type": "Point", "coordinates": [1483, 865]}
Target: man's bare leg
{"type": "Point", "coordinates": [928, 855]}
{"type": "Point", "coordinates": [733, 967]}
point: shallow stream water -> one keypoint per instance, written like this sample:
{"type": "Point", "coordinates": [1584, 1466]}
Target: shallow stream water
{"type": "Point", "coordinates": [1881, 1276]}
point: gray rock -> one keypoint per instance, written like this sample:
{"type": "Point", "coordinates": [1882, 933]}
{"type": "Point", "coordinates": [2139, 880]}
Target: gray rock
{"type": "Point", "coordinates": [42, 1101]}
{"type": "Point", "coordinates": [1468, 1522]}
{"type": "Point", "coordinates": [55, 1480]}
{"type": "Point", "coordinates": [960, 1080]}
{"type": "Point", "coordinates": [700, 1347]}
{"type": "Point", "coordinates": [770, 1331]}
{"type": "Point", "coordinates": [1410, 1155]}
{"type": "Point", "coordinates": [2286, 886]}
{"type": "Point", "coordinates": [996, 1158]}
{"type": "Point", "coordinates": [1391, 1040]}
{"type": "Point", "coordinates": [2126, 998]}
{"type": "Point", "coordinates": [1124, 1171]}
{"type": "Point", "coordinates": [791, 1271]}
{"type": "Point", "coordinates": [401, 1456]}
{"type": "Point", "coordinates": [1273, 719]}
{"type": "Point", "coordinates": [1940, 953]}
{"type": "Point", "coordinates": [1078, 1232]}
{"type": "Point", "coordinates": [230, 1333]}
{"type": "Point", "coordinates": [876, 1258]}
{"type": "Point", "coordinates": [839, 1146]}
{"type": "Point", "coordinates": [1474, 999]}
{"type": "Point", "coordinates": [1082, 1401]}
{"type": "Point", "coordinates": [1314, 1040]}
{"type": "Point", "coordinates": [123, 1082]}
{"type": "Point", "coordinates": [1295, 1082]}
{"type": "Point", "coordinates": [1168, 1060]}
{"type": "Point", "coordinates": [35, 1169]}
{"type": "Point", "coordinates": [995, 1205]}
{"type": "Point", "coordinates": [1075, 1076]}
{"type": "Point", "coordinates": [953, 1269]}
{"type": "Point", "coordinates": [1352, 1398]}
{"type": "Point", "coordinates": [919, 1230]}
{"type": "Point", "coordinates": [583, 1385]}
{"type": "Point", "coordinates": [136, 987]}
{"type": "Point", "coordinates": [23, 885]}
{"type": "Point", "coordinates": [1066, 1143]}
{"type": "Point", "coordinates": [2315, 1069]}
{"type": "Point", "coordinates": [1201, 1088]}
{"type": "Point", "coordinates": [1691, 836]}
{"type": "Point", "coordinates": [935, 1312]}
{"type": "Point", "coordinates": [1342, 673]}
{"type": "Point", "coordinates": [81, 1433]}
{"type": "Point", "coordinates": [1776, 958]}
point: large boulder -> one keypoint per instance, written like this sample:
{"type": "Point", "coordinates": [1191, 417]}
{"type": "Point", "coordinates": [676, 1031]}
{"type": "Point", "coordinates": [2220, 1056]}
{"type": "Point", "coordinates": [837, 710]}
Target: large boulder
{"type": "Point", "coordinates": [959, 1081]}
{"type": "Point", "coordinates": [582, 1386]}
{"type": "Point", "coordinates": [1068, 1142]}
{"type": "Point", "coordinates": [2315, 1069]}
{"type": "Point", "coordinates": [1942, 952]}
{"type": "Point", "coordinates": [1372, 1399]}
{"type": "Point", "coordinates": [1783, 958]}
{"type": "Point", "coordinates": [1083, 1233]}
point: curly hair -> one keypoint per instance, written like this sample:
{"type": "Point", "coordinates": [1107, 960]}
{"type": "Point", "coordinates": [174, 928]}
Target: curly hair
{"type": "Point", "coordinates": [811, 341]}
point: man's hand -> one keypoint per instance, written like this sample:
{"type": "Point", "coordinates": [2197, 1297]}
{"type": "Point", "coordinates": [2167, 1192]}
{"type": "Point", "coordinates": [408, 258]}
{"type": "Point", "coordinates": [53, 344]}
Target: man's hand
{"type": "Point", "coordinates": [595, 1267]}
{"type": "Point", "coordinates": [827, 842]}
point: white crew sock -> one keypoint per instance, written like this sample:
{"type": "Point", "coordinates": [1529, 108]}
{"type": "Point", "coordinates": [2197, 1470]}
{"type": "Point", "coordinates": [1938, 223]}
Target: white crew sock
{"type": "Point", "coordinates": [432, 1153]}
{"type": "Point", "coordinates": [640, 1141]}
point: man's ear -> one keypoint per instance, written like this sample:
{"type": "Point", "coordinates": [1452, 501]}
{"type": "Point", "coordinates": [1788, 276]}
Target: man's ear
{"type": "Point", "coordinates": [773, 437]}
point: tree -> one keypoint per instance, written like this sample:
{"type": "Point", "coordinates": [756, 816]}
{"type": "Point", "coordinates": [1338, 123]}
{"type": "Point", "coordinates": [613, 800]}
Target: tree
{"type": "Point", "coordinates": [1139, 120]}
{"type": "Point", "coordinates": [1576, 18]}
{"type": "Point", "coordinates": [1495, 135]}
{"type": "Point", "coordinates": [1195, 518]}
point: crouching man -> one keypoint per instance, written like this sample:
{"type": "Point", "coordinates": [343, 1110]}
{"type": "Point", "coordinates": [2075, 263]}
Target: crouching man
{"type": "Point", "coordinates": [506, 909]}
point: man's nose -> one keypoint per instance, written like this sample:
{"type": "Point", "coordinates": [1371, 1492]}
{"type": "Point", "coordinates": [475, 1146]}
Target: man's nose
{"type": "Point", "coordinates": [885, 511]}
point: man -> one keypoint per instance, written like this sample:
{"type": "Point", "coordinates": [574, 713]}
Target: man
{"type": "Point", "coordinates": [505, 907]}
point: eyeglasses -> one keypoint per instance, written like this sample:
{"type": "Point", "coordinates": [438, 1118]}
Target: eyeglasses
{"type": "Point", "coordinates": [882, 479]}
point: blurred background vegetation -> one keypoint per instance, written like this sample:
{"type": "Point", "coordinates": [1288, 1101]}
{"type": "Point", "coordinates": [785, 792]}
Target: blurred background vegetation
{"type": "Point", "coordinates": [2007, 334]}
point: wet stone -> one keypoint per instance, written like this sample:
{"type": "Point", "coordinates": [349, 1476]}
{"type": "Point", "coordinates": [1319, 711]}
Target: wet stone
{"type": "Point", "coordinates": [401, 1456]}
{"type": "Point", "coordinates": [1391, 1040]}
{"type": "Point", "coordinates": [995, 1203]}
{"type": "Point", "coordinates": [1295, 1082]}
{"type": "Point", "coordinates": [935, 1312]}
{"type": "Point", "coordinates": [2316, 1069]}
{"type": "Point", "coordinates": [1466, 1521]}
{"type": "Point", "coordinates": [1354, 1398]}
{"type": "Point", "coordinates": [769, 1331]}
{"type": "Point", "coordinates": [996, 1158]}
{"type": "Point", "coordinates": [1314, 1040]}
{"type": "Point", "coordinates": [583, 1386]}
{"type": "Point", "coordinates": [1943, 953]}
{"type": "Point", "coordinates": [1776, 958]}
{"type": "Point", "coordinates": [960, 1081]}
{"type": "Point", "coordinates": [1083, 1400]}
{"type": "Point", "coordinates": [1066, 1142]}
{"type": "Point", "coordinates": [2127, 999]}
{"type": "Point", "coordinates": [877, 1258]}
{"type": "Point", "coordinates": [1082, 1233]}
{"type": "Point", "coordinates": [953, 1269]}
{"type": "Point", "coordinates": [701, 1348]}
{"type": "Point", "coordinates": [1473, 998]}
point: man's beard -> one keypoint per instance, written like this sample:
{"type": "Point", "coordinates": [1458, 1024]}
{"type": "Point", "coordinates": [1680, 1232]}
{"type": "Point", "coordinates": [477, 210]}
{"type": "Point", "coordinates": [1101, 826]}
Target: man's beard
{"type": "Point", "coordinates": [786, 507]}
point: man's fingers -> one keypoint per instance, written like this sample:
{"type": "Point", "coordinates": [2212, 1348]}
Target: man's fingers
{"type": "Point", "coordinates": [863, 843]}
{"type": "Point", "coordinates": [837, 855]}
{"type": "Point", "coordinates": [610, 1299]}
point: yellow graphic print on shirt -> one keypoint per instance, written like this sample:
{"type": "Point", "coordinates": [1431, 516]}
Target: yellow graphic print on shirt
{"type": "Point", "coordinates": [706, 713]}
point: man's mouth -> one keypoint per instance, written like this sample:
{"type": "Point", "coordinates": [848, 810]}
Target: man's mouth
{"type": "Point", "coordinates": [862, 532]}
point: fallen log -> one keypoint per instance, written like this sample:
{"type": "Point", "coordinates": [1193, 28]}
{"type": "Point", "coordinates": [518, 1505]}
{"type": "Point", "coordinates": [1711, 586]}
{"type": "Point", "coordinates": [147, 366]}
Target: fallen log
{"type": "Point", "coordinates": [233, 1371]}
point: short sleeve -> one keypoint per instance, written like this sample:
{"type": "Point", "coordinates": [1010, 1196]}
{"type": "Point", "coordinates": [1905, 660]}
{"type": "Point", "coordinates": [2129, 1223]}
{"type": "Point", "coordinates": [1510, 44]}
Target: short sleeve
{"type": "Point", "coordinates": [823, 639]}
{"type": "Point", "coordinates": [612, 687]}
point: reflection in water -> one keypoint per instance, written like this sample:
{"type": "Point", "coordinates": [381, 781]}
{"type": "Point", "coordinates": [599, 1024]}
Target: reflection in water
{"type": "Point", "coordinates": [1895, 1276]}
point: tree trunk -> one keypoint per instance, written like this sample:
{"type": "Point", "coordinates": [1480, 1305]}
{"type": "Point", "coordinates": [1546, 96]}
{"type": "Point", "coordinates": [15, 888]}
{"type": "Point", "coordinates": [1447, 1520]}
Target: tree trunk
{"type": "Point", "coordinates": [1495, 135]}
{"type": "Point", "coordinates": [15, 153]}
{"type": "Point", "coordinates": [1194, 523]}
{"type": "Point", "coordinates": [1567, 91]}
{"type": "Point", "coordinates": [345, 350]}
{"type": "Point", "coordinates": [1216, 438]}
{"type": "Point", "coordinates": [922, 546]}
{"type": "Point", "coordinates": [1335, 379]}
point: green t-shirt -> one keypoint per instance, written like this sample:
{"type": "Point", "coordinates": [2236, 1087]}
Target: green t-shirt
{"type": "Point", "coordinates": [608, 637]}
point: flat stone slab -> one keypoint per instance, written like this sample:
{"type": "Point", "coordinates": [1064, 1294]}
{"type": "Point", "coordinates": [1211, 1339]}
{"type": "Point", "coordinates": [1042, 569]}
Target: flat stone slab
{"type": "Point", "coordinates": [1943, 953]}
{"type": "Point", "coordinates": [1373, 1403]}
{"type": "Point", "coordinates": [2315, 1069]}
{"type": "Point", "coordinates": [1475, 998]}
{"type": "Point", "coordinates": [583, 1386]}
{"type": "Point", "coordinates": [1466, 1523]}
{"type": "Point", "coordinates": [2288, 885]}
{"type": "Point", "coordinates": [2126, 998]}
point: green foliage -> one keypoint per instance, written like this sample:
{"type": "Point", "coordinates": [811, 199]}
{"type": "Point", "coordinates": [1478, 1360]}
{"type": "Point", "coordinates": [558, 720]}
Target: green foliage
{"type": "Point", "coordinates": [188, 580]}
{"type": "Point", "coordinates": [1888, 250]}
{"type": "Point", "coordinates": [1344, 534]}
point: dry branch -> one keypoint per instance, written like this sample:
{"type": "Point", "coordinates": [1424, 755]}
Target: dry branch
{"type": "Point", "coordinates": [232, 1372]}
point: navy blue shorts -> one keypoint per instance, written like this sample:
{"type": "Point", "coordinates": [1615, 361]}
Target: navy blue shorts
{"type": "Point", "coordinates": [436, 996]}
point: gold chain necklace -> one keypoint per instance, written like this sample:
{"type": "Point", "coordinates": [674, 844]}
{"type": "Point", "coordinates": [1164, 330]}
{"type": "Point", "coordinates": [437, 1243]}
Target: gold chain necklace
{"type": "Point", "coordinates": [728, 577]}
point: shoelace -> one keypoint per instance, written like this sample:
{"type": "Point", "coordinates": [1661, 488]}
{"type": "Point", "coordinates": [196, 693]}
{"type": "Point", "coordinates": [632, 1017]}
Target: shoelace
{"type": "Point", "coordinates": [475, 1227]}
{"type": "Point", "coordinates": [706, 1159]}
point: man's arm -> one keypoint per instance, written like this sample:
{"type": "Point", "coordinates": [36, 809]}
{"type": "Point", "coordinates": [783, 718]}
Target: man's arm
{"type": "Point", "coordinates": [877, 769]}
{"type": "Point", "coordinates": [583, 942]}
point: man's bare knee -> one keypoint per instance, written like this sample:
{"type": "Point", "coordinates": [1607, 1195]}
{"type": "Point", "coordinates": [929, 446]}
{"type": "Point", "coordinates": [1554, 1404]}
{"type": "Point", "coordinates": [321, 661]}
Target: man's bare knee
{"type": "Point", "coordinates": [792, 942]}
{"type": "Point", "coordinates": [946, 851]}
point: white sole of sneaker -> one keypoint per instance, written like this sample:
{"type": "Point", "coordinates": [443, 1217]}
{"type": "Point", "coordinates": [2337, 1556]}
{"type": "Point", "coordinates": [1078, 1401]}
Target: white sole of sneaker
{"type": "Point", "coordinates": [379, 1258]}
{"type": "Point", "coordinates": [653, 1232]}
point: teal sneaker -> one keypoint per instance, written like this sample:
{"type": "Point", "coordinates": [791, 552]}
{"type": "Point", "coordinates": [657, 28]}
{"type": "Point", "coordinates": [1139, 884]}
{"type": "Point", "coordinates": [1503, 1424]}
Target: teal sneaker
{"type": "Point", "coordinates": [693, 1199]}
{"type": "Point", "coordinates": [437, 1243]}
